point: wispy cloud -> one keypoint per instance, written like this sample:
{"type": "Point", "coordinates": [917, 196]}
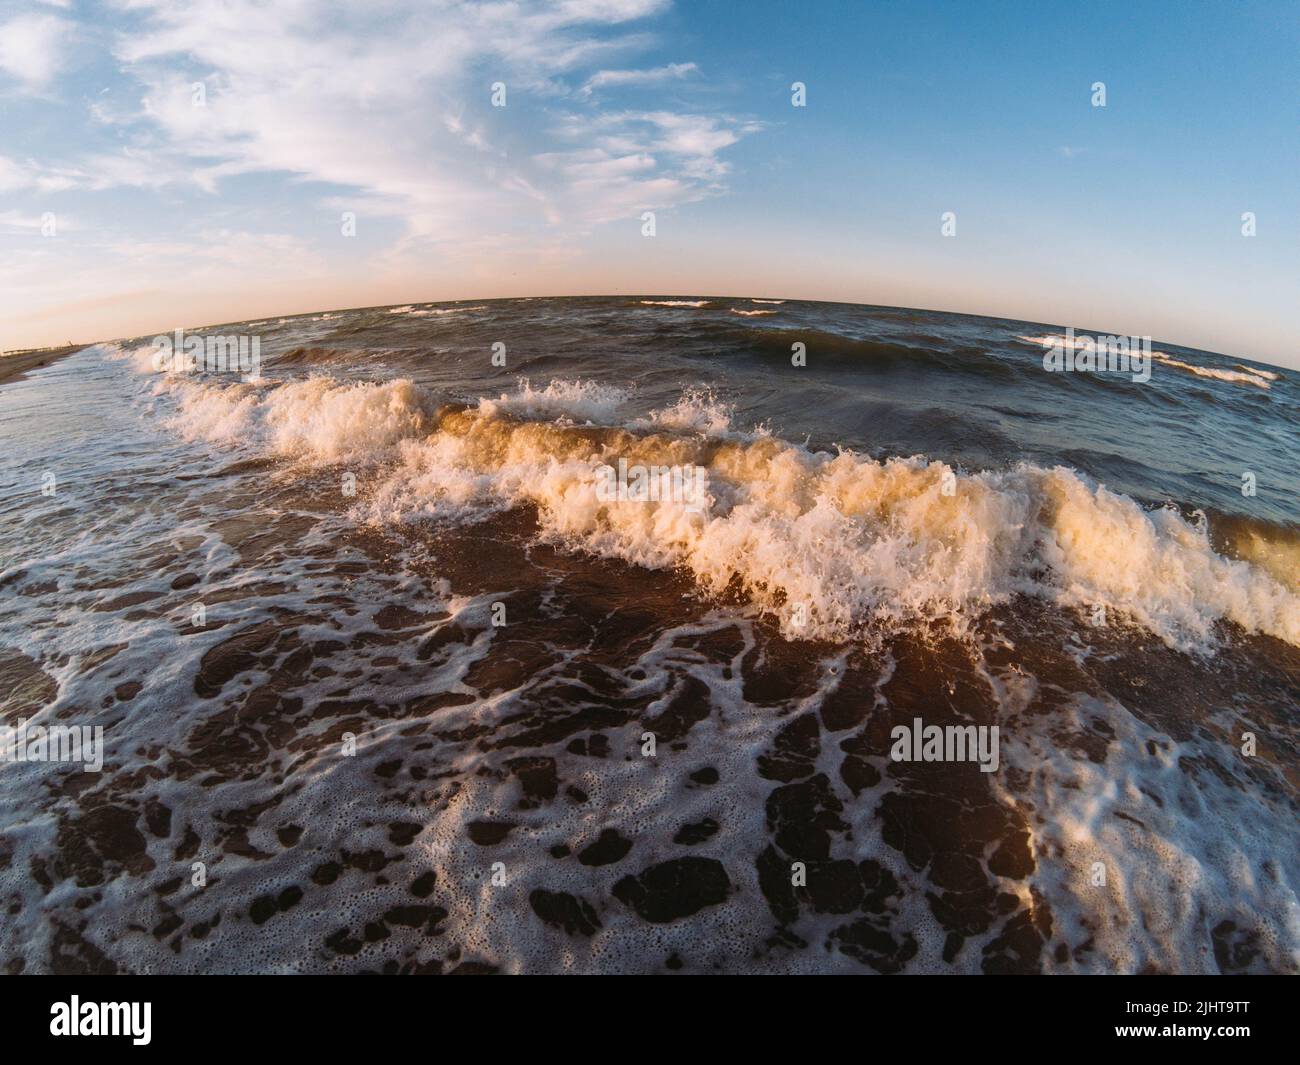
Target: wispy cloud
{"type": "Point", "coordinates": [17, 222]}
{"type": "Point", "coordinates": [369, 103]}
{"type": "Point", "coordinates": [605, 79]}
{"type": "Point", "coordinates": [18, 176]}
{"type": "Point", "coordinates": [632, 160]}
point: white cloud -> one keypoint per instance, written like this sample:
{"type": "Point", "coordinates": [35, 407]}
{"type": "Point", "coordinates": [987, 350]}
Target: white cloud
{"type": "Point", "coordinates": [33, 49]}
{"type": "Point", "coordinates": [12, 176]}
{"type": "Point", "coordinates": [29, 175]}
{"type": "Point", "coordinates": [645, 159]}
{"type": "Point", "coordinates": [17, 222]}
{"type": "Point", "coordinates": [604, 79]}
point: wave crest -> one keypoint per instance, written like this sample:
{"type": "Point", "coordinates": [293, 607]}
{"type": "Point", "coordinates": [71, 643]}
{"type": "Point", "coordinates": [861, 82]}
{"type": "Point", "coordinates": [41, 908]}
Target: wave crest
{"type": "Point", "coordinates": [834, 545]}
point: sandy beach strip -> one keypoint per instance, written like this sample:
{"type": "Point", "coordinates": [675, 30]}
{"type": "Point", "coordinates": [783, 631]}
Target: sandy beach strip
{"type": "Point", "coordinates": [16, 365]}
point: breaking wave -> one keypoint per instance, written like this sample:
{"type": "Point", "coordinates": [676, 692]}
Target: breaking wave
{"type": "Point", "coordinates": [863, 545]}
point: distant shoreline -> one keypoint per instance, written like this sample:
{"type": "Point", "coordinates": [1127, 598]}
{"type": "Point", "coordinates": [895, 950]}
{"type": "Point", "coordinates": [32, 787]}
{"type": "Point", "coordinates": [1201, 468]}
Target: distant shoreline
{"type": "Point", "coordinates": [16, 366]}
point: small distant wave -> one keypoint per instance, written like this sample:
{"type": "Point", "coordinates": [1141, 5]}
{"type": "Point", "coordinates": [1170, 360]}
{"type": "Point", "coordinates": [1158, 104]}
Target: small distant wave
{"type": "Point", "coordinates": [411, 311]}
{"type": "Point", "coordinates": [441, 311]}
{"type": "Point", "coordinates": [1268, 375]}
{"type": "Point", "coordinates": [751, 314]}
{"type": "Point", "coordinates": [674, 303]}
{"type": "Point", "coordinates": [767, 301]}
{"type": "Point", "coordinates": [1047, 340]}
{"type": "Point", "coordinates": [1259, 378]}
{"type": "Point", "coordinates": [1232, 376]}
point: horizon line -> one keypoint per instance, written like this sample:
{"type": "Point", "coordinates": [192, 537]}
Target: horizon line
{"type": "Point", "coordinates": [641, 295]}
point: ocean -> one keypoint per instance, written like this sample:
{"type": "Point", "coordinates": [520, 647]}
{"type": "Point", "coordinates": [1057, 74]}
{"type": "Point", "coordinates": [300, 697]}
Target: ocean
{"type": "Point", "coordinates": [651, 634]}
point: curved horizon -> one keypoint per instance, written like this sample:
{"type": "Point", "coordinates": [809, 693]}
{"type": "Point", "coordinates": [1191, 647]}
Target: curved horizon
{"type": "Point", "coordinates": [222, 161]}
{"type": "Point", "coordinates": [667, 295]}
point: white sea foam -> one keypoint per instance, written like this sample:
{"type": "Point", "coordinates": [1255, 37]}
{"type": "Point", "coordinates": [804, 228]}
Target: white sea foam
{"type": "Point", "coordinates": [580, 401]}
{"type": "Point", "coordinates": [316, 419]}
{"type": "Point", "coordinates": [1173, 843]}
{"type": "Point", "coordinates": [698, 411]}
{"type": "Point", "coordinates": [674, 303]}
{"type": "Point", "coordinates": [139, 356]}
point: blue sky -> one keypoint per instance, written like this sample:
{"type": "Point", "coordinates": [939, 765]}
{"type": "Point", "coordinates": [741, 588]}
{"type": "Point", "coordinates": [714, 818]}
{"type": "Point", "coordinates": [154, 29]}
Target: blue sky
{"type": "Point", "coordinates": [1125, 218]}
